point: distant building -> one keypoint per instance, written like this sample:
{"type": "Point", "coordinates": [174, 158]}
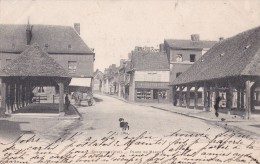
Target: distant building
{"type": "Point", "coordinates": [149, 77]}
{"type": "Point", "coordinates": [97, 81]}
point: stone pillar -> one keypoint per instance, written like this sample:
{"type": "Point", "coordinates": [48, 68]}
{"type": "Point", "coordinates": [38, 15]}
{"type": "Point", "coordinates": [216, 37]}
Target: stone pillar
{"type": "Point", "coordinates": [188, 97]}
{"type": "Point", "coordinates": [61, 97]}
{"type": "Point", "coordinates": [3, 98]}
{"type": "Point", "coordinates": [196, 97]}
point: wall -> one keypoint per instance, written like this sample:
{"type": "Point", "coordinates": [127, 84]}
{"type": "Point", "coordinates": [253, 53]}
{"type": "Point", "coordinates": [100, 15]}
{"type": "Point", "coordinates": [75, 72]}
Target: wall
{"type": "Point", "coordinates": [85, 63]}
{"type": "Point", "coordinates": [152, 76]}
{"type": "Point", "coordinates": [185, 54]}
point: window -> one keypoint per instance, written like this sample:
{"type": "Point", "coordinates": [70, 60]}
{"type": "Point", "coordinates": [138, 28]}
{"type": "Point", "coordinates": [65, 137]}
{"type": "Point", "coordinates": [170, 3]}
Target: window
{"type": "Point", "coordinates": [72, 65]}
{"type": "Point", "coordinates": [179, 58]}
{"type": "Point", "coordinates": [192, 58]}
{"type": "Point", "coordinates": [143, 94]}
{"type": "Point", "coordinates": [69, 46]}
{"type": "Point", "coordinates": [178, 74]}
{"type": "Point", "coordinates": [162, 94]}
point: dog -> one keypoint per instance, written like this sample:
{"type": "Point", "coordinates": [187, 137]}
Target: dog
{"type": "Point", "coordinates": [124, 126]}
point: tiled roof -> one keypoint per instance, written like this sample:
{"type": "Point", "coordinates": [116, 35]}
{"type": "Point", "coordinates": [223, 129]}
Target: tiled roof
{"type": "Point", "coordinates": [151, 61]}
{"type": "Point", "coordinates": [58, 39]}
{"type": "Point", "coordinates": [34, 61]}
{"type": "Point", "coordinates": [189, 44]}
{"type": "Point", "coordinates": [232, 57]}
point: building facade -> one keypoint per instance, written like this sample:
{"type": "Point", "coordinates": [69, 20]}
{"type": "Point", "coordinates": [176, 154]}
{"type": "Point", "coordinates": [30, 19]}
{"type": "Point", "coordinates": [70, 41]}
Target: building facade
{"type": "Point", "coordinates": [149, 77]}
{"type": "Point", "coordinates": [62, 43]}
{"type": "Point", "coordinates": [182, 54]}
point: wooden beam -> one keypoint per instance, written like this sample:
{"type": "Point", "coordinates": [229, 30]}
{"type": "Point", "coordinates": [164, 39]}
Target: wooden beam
{"type": "Point", "coordinates": [238, 98]}
{"type": "Point", "coordinates": [188, 97]}
{"type": "Point", "coordinates": [196, 97]}
{"type": "Point", "coordinates": [205, 98]}
{"type": "Point", "coordinates": [248, 104]}
{"type": "Point", "coordinates": [61, 97]}
{"type": "Point", "coordinates": [229, 93]}
{"type": "Point", "coordinates": [3, 98]}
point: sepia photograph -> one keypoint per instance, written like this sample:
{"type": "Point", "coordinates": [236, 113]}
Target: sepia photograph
{"type": "Point", "coordinates": [130, 81]}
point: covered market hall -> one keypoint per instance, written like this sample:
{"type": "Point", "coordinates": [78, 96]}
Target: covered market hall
{"type": "Point", "coordinates": [232, 68]}
{"type": "Point", "coordinates": [32, 68]}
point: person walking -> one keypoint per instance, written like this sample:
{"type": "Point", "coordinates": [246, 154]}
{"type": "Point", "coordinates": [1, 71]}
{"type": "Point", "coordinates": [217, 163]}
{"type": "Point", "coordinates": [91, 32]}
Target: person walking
{"type": "Point", "coordinates": [216, 106]}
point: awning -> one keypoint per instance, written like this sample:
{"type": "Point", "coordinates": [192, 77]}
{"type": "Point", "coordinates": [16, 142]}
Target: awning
{"type": "Point", "coordinates": [80, 82]}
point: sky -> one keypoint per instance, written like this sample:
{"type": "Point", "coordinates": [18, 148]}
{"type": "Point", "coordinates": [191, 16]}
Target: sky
{"type": "Point", "coordinates": [114, 27]}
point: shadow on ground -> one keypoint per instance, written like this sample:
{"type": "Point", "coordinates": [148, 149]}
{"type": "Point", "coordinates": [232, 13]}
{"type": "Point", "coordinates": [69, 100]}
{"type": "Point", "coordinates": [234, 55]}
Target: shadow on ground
{"type": "Point", "coordinates": [12, 129]}
{"type": "Point", "coordinates": [97, 99]}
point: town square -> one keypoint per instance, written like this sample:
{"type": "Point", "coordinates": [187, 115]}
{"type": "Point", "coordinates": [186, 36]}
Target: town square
{"type": "Point", "coordinates": [175, 81]}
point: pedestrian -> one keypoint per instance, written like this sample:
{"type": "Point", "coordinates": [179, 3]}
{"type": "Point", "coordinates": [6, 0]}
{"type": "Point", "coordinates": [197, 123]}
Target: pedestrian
{"type": "Point", "coordinates": [67, 102]}
{"type": "Point", "coordinates": [216, 106]}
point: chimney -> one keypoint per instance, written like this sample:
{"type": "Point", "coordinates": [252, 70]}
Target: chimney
{"type": "Point", "coordinates": [28, 33]}
{"type": "Point", "coordinates": [77, 27]}
{"type": "Point", "coordinates": [161, 49]}
{"type": "Point", "coordinates": [195, 37]}
{"type": "Point", "coordinates": [221, 38]}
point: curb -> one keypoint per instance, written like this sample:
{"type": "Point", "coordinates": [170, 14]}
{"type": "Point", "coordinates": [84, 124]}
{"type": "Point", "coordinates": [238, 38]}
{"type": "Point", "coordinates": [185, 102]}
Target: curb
{"type": "Point", "coordinates": [184, 114]}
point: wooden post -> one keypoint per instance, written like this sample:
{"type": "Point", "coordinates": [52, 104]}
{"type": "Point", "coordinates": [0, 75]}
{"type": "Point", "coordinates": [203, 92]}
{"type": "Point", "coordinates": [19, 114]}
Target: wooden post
{"type": "Point", "coordinates": [209, 98]}
{"type": "Point", "coordinates": [3, 98]}
{"type": "Point", "coordinates": [238, 99]}
{"type": "Point", "coordinates": [174, 96]}
{"type": "Point", "coordinates": [248, 99]}
{"type": "Point", "coordinates": [205, 91]}
{"type": "Point", "coordinates": [188, 97]}
{"type": "Point", "coordinates": [180, 96]}
{"type": "Point", "coordinates": [242, 92]}
{"type": "Point", "coordinates": [196, 97]}
{"type": "Point", "coordinates": [61, 97]}
{"type": "Point", "coordinates": [229, 97]}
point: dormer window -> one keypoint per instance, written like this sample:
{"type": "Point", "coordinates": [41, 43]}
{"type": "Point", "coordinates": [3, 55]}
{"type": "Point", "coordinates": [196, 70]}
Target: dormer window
{"type": "Point", "coordinates": [222, 54]}
{"type": "Point", "coordinates": [69, 46]}
{"type": "Point", "coordinates": [13, 45]}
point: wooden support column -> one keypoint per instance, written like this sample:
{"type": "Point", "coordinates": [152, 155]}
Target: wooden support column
{"type": "Point", "coordinates": [61, 97]}
{"type": "Point", "coordinates": [229, 97]}
{"type": "Point", "coordinates": [248, 99]}
{"type": "Point", "coordinates": [3, 98]}
{"type": "Point", "coordinates": [210, 98]}
{"type": "Point", "coordinates": [242, 93]}
{"type": "Point", "coordinates": [238, 99]}
{"type": "Point", "coordinates": [174, 95]}
{"type": "Point", "coordinates": [205, 91]}
{"type": "Point", "coordinates": [181, 96]}
{"type": "Point", "coordinates": [196, 97]}
{"type": "Point", "coordinates": [188, 97]}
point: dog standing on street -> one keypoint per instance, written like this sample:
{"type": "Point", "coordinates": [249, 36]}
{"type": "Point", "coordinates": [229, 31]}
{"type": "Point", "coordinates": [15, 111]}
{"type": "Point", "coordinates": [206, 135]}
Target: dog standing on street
{"type": "Point", "coordinates": [124, 126]}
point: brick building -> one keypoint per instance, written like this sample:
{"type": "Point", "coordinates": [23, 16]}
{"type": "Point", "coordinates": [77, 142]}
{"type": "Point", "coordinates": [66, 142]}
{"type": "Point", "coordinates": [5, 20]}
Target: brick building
{"type": "Point", "coordinates": [62, 43]}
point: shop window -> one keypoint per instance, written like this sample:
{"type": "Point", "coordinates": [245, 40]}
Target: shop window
{"type": "Point", "coordinates": [162, 94]}
{"type": "Point", "coordinates": [143, 94]}
{"type": "Point", "coordinates": [192, 58]}
{"type": "Point", "coordinates": [72, 65]}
